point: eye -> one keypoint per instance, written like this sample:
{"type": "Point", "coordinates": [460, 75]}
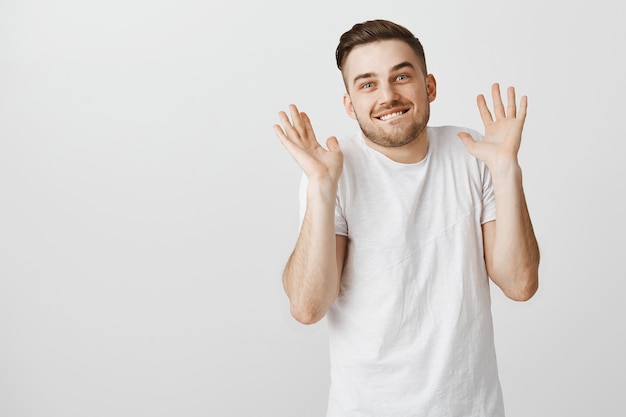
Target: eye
{"type": "Point", "coordinates": [402, 77]}
{"type": "Point", "coordinates": [367, 85]}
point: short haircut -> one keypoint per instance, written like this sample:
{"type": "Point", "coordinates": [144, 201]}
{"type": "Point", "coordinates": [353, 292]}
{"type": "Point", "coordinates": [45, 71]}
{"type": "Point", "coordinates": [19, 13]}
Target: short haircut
{"type": "Point", "coordinates": [373, 31]}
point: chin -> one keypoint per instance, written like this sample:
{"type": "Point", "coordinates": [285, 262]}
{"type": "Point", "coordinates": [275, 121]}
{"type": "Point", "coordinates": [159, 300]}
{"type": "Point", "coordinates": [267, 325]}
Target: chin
{"type": "Point", "coordinates": [402, 134]}
{"type": "Point", "coordinates": [394, 139]}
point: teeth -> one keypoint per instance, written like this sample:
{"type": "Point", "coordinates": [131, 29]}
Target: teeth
{"type": "Point", "coordinates": [390, 116]}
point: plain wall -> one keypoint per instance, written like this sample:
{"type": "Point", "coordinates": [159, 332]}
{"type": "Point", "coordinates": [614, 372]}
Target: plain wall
{"type": "Point", "coordinates": [147, 208]}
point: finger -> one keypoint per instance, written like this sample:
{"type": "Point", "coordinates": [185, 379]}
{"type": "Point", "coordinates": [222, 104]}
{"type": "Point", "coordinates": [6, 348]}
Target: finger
{"type": "Point", "coordinates": [467, 140]}
{"type": "Point", "coordinates": [510, 102]}
{"type": "Point", "coordinates": [308, 127]}
{"type": "Point", "coordinates": [294, 149]}
{"type": "Point", "coordinates": [281, 134]}
{"type": "Point", "coordinates": [289, 130]}
{"type": "Point", "coordinates": [296, 119]}
{"type": "Point", "coordinates": [332, 144]}
{"type": "Point", "coordinates": [498, 107]}
{"type": "Point", "coordinates": [523, 105]}
{"type": "Point", "coordinates": [483, 109]}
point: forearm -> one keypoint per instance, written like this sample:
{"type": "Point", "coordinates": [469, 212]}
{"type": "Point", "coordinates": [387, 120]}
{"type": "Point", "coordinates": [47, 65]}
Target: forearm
{"type": "Point", "coordinates": [311, 277]}
{"type": "Point", "coordinates": [515, 258]}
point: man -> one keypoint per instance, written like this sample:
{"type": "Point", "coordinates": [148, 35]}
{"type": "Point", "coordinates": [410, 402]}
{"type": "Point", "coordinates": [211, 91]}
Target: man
{"type": "Point", "coordinates": [399, 236]}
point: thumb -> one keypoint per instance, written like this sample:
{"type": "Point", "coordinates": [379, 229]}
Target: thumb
{"type": "Point", "coordinates": [332, 144]}
{"type": "Point", "coordinates": [467, 140]}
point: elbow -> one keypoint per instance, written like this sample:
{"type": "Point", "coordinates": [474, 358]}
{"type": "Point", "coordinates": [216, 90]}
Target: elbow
{"type": "Point", "coordinates": [522, 294]}
{"type": "Point", "coordinates": [310, 310]}
{"type": "Point", "coordinates": [307, 315]}
{"type": "Point", "coordinates": [309, 307]}
{"type": "Point", "coordinates": [525, 287]}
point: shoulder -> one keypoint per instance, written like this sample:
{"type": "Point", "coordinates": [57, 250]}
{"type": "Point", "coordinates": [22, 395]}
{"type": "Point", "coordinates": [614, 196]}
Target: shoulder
{"type": "Point", "coordinates": [448, 132]}
{"type": "Point", "coordinates": [447, 148]}
{"type": "Point", "coordinates": [351, 143]}
{"type": "Point", "coordinates": [354, 149]}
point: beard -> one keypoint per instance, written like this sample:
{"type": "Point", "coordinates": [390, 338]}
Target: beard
{"type": "Point", "coordinates": [395, 136]}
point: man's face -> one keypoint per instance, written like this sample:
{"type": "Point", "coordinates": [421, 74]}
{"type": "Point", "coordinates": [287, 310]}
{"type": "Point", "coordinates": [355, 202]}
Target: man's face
{"type": "Point", "coordinates": [387, 92]}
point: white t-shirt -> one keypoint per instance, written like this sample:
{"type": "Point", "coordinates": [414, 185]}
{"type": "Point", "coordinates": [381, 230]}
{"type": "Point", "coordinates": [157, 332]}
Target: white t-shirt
{"type": "Point", "coordinates": [411, 332]}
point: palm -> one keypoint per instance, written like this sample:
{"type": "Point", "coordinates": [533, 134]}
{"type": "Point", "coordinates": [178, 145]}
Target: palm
{"type": "Point", "coordinates": [503, 134]}
{"type": "Point", "coordinates": [299, 139]}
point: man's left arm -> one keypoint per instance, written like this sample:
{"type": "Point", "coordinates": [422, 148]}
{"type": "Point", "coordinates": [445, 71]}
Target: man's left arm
{"type": "Point", "coordinates": [511, 250]}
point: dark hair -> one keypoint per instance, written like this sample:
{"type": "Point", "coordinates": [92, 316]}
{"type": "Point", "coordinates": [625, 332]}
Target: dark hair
{"type": "Point", "coordinates": [377, 30]}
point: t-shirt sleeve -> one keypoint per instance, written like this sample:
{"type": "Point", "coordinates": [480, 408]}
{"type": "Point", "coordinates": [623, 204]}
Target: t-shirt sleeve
{"type": "Point", "coordinates": [341, 226]}
{"type": "Point", "coordinates": [302, 197]}
{"type": "Point", "coordinates": [489, 201]}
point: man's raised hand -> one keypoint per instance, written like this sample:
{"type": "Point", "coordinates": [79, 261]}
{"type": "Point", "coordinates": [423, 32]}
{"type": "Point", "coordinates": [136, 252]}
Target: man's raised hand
{"type": "Point", "coordinates": [298, 138]}
{"type": "Point", "coordinates": [503, 134]}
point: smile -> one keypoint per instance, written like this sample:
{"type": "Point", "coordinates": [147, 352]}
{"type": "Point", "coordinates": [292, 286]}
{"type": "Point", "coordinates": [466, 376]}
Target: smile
{"type": "Point", "coordinates": [393, 115]}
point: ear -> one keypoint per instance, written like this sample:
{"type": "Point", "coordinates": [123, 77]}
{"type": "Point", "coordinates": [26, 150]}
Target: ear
{"type": "Point", "coordinates": [431, 87]}
{"type": "Point", "coordinates": [347, 104]}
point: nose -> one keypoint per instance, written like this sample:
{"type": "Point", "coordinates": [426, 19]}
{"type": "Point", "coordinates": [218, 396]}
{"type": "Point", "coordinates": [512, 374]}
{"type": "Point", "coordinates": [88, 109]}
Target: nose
{"type": "Point", "coordinates": [387, 93]}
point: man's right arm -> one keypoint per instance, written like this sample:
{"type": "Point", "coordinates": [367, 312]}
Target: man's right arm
{"type": "Point", "coordinates": [312, 275]}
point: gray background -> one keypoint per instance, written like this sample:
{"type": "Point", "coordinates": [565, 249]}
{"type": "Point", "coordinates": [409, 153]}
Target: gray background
{"type": "Point", "coordinates": [147, 209]}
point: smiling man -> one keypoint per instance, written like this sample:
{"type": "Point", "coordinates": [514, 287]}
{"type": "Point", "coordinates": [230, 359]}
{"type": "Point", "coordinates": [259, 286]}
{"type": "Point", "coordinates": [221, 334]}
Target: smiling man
{"type": "Point", "coordinates": [399, 236]}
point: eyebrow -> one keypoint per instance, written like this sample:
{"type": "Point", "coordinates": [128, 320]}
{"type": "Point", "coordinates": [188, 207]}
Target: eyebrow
{"type": "Point", "coordinates": [405, 64]}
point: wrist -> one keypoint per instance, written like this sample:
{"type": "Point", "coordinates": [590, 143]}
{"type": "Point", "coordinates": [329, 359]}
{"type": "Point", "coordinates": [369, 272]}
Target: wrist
{"type": "Point", "coordinates": [322, 189]}
{"type": "Point", "coordinates": [505, 175]}
{"type": "Point", "coordinates": [504, 166]}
